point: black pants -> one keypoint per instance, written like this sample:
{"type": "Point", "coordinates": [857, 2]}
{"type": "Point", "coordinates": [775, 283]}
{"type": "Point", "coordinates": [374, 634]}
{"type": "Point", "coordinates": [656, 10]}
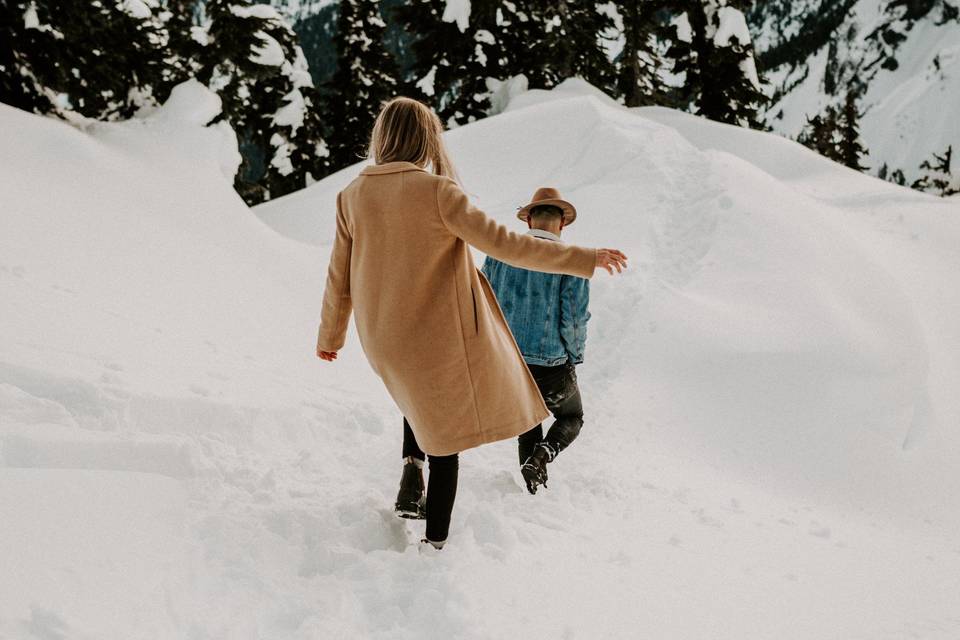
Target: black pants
{"type": "Point", "coordinates": [558, 386]}
{"type": "Point", "coordinates": [441, 485]}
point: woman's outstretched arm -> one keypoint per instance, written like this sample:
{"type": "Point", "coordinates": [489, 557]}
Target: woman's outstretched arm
{"type": "Point", "coordinates": [481, 231]}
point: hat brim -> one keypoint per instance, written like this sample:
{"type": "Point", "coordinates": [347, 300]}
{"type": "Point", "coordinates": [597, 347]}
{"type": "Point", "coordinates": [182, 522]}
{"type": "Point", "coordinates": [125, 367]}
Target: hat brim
{"type": "Point", "coordinates": [569, 211]}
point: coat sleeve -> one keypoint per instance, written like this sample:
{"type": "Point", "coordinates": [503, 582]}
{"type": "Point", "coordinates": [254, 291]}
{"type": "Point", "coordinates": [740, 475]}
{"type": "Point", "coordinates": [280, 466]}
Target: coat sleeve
{"type": "Point", "coordinates": [337, 305]}
{"type": "Point", "coordinates": [574, 314]}
{"type": "Point", "coordinates": [476, 228]}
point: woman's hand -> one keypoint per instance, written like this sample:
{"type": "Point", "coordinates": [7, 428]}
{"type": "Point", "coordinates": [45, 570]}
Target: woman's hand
{"type": "Point", "coordinates": [611, 259]}
{"type": "Point", "coordinates": [329, 356]}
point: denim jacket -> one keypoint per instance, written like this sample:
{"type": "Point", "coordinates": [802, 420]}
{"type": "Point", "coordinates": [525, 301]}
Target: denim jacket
{"type": "Point", "coordinates": [547, 312]}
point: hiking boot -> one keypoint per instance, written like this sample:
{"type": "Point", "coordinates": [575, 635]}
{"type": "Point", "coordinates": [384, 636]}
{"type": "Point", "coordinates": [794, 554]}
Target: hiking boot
{"type": "Point", "coordinates": [534, 470]}
{"type": "Point", "coordinates": [430, 546]}
{"type": "Point", "coordinates": [411, 500]}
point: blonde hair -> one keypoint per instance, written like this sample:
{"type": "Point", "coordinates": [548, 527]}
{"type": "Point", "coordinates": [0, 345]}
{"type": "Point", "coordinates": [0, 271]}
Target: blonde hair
{"type": "Point", "coordinates": [407, 130]}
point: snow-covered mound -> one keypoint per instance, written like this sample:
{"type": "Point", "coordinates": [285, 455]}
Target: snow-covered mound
{"type": "Point", "coordinates": [748, 299]}
{"type": "Point", "coordinates": [771, 417]}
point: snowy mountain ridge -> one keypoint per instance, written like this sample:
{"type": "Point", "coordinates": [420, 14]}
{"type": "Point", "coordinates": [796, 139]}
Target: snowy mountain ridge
{"type": "Point", "coordinates": [902, 56]}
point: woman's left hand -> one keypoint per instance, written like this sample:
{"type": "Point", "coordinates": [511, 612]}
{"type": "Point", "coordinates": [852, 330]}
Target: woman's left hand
{"type": "Point", "coordinates": [329, 356]}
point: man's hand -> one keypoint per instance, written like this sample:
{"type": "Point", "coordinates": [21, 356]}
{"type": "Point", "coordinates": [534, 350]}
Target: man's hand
{"type": "Point", "coordinates": [329, 356]}
{"type": "Point", "coordinates": [611, 259]}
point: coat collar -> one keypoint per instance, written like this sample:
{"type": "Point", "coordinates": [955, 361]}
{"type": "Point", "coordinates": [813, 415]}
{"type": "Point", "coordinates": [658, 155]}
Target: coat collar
{"type": "Point", "coordinates": [389, 167]}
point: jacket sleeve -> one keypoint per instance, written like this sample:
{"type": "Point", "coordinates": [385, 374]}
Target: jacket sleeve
{"type": "Point", "coordinates": [476, 228]}
{"type": "Point", "coordinates": [337, 305]}
{"type": "Point", "coordinates": [574, 314]}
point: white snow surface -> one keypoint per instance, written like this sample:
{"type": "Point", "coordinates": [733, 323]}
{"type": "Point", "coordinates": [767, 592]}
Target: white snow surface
{"type": "Point", "coordinates": [137, 8]}
{"type": "Point", "coordinates": [733, 24]}
{"type": "Point", "coordinates": [261, 11]}
{"type": "Point", "coordinates": [30, 18]}
{"type": "Point", "coordinates": [457, 11]}
{"type": "Point", "coordinates": [771, 418]}
{"type": "Point", "coordinates": [684, 29]}
{"type": "Point", "coordinates": [269, 53]}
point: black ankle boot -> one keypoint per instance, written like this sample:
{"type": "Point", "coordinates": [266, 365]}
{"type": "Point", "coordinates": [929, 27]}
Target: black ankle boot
{"type": "Point", "coordinates": [411, 501]}
{"type": "Point", "coordinates": [534, 470]}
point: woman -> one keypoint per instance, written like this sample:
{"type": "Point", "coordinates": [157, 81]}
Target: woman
{"type": "Point", "coordinates": [428, 321]}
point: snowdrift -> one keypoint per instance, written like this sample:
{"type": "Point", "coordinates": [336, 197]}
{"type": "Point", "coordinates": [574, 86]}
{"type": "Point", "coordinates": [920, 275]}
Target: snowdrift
{"type": "Point", "coordinates": [771, 420]}
{"type": "Point", "coordinates": [750, 315]}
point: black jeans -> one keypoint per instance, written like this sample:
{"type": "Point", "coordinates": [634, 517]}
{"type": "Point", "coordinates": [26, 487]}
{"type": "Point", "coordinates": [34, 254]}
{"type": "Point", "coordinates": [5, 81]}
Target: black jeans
{"type": "Point", "coordinates": [558, 386]}
{"type": "Point", "coordinates": [441, 485]}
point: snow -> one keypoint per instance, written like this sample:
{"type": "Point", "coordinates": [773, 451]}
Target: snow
{"type": "Point", "coordinates": [32, 21]}
{"type": "Point", "coordinates": [484, 36]}
{"type": "Point", "coordinates": [136, 8]}
{"type": "Point", "coordinates": [426, 83]}
{"type": "Point", "coordinates": [682, 25]}
{"type": "Point", "coordinates": [200, 35]}
{"type": "Point", "coordinates": [260, 11]}
{"type": "Point", "coordinates": [281, 155]}
{"type": "Point", "coordinates": [909, 110]}
{"type": "Point", "coordinates": [299, 71]}
{"type": "Point", "coordinates": [190, 103]}
{"type": "Point", "coordinates": [291, 114]}
{"type": "Point", "coordinates": [269, 53]}
{"type": "Point", "coordinates": [457, 11]}
{"type": "Point", "coordinates": [502, 92]}
{"type": "Point", "coordinates": [732, 24]}
{"type": "Point", "coordinates": [30, 18]}
{"type": "Point", "coordinates": [770, 446]}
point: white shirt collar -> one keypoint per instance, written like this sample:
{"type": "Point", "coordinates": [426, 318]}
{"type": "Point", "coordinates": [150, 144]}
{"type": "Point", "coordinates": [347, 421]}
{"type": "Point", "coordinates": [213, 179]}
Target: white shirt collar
{"type": "Point", "coordinates": [546, 235]}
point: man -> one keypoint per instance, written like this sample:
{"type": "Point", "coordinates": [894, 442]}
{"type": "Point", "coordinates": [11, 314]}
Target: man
{"type": "Point", "coordinates": [548, 316]}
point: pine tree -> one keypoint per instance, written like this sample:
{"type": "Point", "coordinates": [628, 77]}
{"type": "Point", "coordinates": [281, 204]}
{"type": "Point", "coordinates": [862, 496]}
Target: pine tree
{"type": "Point", "coordinates": [835, 134]}
{"type": "Point", "coordinates": [300, 152]}
{"type": "Point", "coordinates": [851, 147]}
{"type": "Point", "coordinates": [558, 39]}
{"type": "Point", "coordinates": [822, 134]}
{"type": "Point", "coordinates": [365, 78]}
{"type": "Point", "coordinates": [459, 58]}
{"type": "Point", "coordinates": [103, 60]}
{"type": "Point", "coordinates": [489, 57]}
{"type": "Point", "coordinates": [938, 175]}
{"type": "Point", "coordinates": [440, 50]}
{"type": "Point", "coordinates": [253, 62]}
{"type": "Point", "coordinates": [186, 40]}
{"type": "Point", "coordinates": [640, 64]}
{"type": "Point", "coordinates": [712, 50]}
{"type": "Point", "coordinates": [19, 86]}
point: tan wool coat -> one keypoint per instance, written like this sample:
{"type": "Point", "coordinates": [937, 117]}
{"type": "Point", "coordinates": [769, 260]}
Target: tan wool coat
{"type": "Point", "coordinates": [428, 321]}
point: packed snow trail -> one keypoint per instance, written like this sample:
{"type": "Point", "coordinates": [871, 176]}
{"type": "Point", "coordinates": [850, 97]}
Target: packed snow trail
{"type": "Point", "coordinates": [175, 462]}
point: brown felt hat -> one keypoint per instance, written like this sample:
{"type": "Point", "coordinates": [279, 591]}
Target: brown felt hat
{"type": "Point", "coordinates": [549, 196]}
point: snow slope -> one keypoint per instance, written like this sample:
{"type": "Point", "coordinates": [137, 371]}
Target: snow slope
{"type": "Point", "coordinates": [770, 437]}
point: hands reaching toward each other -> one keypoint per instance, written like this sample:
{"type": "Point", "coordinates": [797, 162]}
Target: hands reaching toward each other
{"type": "Point", "coordinates": [329, 356]}
{"type": "Point", "coordinates": [611, 259]}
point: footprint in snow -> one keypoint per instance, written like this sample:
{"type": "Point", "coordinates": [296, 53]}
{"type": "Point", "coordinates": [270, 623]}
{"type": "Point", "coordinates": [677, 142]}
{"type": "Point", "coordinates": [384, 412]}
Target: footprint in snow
{"type": "Point", "coordinates": [199, 390]}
